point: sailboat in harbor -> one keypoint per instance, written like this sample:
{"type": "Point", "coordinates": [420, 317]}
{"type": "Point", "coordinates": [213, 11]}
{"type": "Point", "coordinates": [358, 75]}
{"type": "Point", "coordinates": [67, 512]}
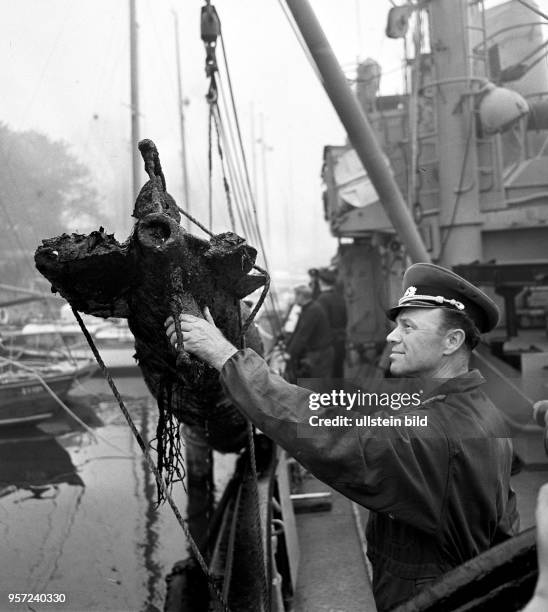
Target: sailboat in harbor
{"type": "Point", "coordinates": [34, 391]}
{"type": "Point", "coordinates": [37, 369]}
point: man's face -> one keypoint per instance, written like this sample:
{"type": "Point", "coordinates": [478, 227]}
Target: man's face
{"type": "Point", "coordinates": [417, 342]}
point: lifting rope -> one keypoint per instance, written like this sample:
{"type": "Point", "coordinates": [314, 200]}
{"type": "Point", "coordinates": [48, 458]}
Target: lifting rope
{"type": "Point", "coordinates": [150, 462]}
{"type": "Point", "coordinates": [210, 30]}
{"type": "Point", "coordinates": [225, 181]}
{"type": "Point", "coordinates": [236, 159]}
{"type": "Point", "coordinates": [161, 484]}
{"type": "Point", "coordinates": [210, 26]}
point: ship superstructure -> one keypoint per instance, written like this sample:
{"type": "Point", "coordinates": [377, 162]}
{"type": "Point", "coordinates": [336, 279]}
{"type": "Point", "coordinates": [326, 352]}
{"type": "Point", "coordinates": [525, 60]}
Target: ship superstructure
{"type": "Point", "coordinates": [467, 147]}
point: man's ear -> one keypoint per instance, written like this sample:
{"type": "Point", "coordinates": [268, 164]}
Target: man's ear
{"type": "Point", "coordinates": [454, 339]}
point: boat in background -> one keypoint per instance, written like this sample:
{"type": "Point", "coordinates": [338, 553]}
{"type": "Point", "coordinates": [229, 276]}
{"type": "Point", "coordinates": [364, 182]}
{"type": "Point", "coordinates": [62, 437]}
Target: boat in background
{"type": "Point", "coordinates": [33, 391]}
{"type": "Point", "coordinates": [60, 340]}
{"type": "Point", "coordinates": [52, 340]}
{"type": "Point", "coordinates": [53, 337]}
{"type": "Point", "coordinates": [116, 345]}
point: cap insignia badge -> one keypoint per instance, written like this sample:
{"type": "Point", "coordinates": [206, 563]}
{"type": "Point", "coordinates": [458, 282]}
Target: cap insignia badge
{"type": "Point", "coordinates": [410, 292]}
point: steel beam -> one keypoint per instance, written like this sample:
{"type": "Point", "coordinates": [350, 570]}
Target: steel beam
{"type": "Point", "coordinates": [359, 130]}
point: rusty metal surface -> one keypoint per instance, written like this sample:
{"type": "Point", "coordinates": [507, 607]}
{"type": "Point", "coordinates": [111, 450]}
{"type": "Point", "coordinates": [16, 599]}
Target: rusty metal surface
{"type": "Point", "coordinates": [161, 269]}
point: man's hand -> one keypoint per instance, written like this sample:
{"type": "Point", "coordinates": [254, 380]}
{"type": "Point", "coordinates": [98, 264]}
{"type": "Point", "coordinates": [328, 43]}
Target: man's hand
{"type": "Point", "coordinates": [202, 338]}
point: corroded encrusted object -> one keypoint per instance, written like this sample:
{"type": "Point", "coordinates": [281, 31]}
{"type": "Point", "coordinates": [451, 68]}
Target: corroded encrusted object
{"type": "Point", "coordinates": [161, 268]}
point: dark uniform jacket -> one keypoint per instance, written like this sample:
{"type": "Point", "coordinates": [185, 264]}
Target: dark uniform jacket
{"type": "Point", "coordinates": [439, 494]}
{"type": "Point", "coordinates": [310, 346]}
{"type": "Point", "coordinates": [333, 304]}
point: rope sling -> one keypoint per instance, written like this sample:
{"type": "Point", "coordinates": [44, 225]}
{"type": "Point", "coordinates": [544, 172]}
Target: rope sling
{"type": "Point", "coordinates": [156, 175]}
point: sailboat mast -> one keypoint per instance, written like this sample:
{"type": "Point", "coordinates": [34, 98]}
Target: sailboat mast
{"type": "Point", "coordinates": [266, 205]}
{"type": "Point", "coordinates": [181, 120]}
{"type": "Point", "coordinates": [134, 90]}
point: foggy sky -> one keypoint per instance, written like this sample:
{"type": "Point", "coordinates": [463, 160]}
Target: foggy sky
{"type": "Point", "coordinates": [65, 70]}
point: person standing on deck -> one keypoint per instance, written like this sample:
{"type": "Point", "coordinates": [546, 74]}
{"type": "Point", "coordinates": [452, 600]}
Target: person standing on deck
{"type": "Point", "coordinates": [333, 304]}
{"type": "Point", "coordinates": [438, 494]}
{"type": "Point", "coordinates": [310, 345]}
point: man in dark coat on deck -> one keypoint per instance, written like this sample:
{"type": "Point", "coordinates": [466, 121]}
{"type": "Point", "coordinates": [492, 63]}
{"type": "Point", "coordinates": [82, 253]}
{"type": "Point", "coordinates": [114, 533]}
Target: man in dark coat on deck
{"type": "Point", "coordinates": [332, 301]}
{"type": "Point", "coordinates": [436, 480]}
{"type": "Point", "coordinates": [310, 346]}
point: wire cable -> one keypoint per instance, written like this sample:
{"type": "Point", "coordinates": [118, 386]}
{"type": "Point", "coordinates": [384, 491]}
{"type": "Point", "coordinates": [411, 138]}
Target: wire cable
{"type": "Point", "coordinates": [300, 40]}
{"type": "Point", "coordinates": [246, 227]}
{"type": "Point", "coordinates": [249, 190]}
{"type": "Point", "coordinates": [232, 148]}
{"type": "Point", "coordinates": [534, 9]}
{"type": "Point", "coordinates": [242, 150]}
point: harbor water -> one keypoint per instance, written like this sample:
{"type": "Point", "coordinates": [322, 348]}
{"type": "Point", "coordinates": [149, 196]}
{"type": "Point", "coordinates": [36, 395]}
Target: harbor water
{"type": "Point", "coordinates": [78, 514]}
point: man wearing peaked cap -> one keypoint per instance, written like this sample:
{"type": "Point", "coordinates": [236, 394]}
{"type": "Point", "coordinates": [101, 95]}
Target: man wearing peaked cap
{"type": "Point", "coordinates": [453, 310]}
{"type": "Point", "coordinates": [327, 275]}
{"type": "Point", "coordinates": [438, 492]}
{"type": "Point", "coordinates": [439, 320]}
{"type": "Point", "coordinates": [428, 286]}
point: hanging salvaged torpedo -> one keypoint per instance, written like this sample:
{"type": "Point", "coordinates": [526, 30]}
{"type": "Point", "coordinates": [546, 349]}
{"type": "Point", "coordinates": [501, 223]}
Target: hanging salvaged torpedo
{"type": "Point", "coordinates": [161, 269]}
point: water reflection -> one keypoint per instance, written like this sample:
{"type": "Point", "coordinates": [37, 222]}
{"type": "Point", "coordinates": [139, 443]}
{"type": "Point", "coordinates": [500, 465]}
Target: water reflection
{"type": "Point", "coordinates": [33, 460]}
{"type": "Point", "coordinates": [78, 514]}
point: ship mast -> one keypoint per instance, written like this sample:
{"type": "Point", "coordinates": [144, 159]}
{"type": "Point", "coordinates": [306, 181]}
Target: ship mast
{"type": "Point", "coordinates": [180, 105]}
{"type": "Point", "coordinates": [134, 91]}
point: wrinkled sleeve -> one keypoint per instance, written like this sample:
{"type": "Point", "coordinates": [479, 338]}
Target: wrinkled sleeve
{"type": "Point", "coordinates": [387, 470]}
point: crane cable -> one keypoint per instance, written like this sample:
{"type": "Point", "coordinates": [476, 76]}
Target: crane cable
{"type": "Point", "coordinates": [246, 220]}
{"type": "Point", "coordinates": [210, 29]}
{"type": "Point", "coordinates": [162, 486]}
{"type": "Point", "coordinates": [210, 171]}
{"type": "Point", "coordinates": [215, 114]}
{"type": "Point", "coordinates": [534, 9]}
{"type": "Point", "coordinates": [236, 164]}
{"type": "Point", "coordinates": [225, 181]}
{"type": "Point", "coordinates": [275, 306]}
{"type": "Point", "coordinates": [245, 178]}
